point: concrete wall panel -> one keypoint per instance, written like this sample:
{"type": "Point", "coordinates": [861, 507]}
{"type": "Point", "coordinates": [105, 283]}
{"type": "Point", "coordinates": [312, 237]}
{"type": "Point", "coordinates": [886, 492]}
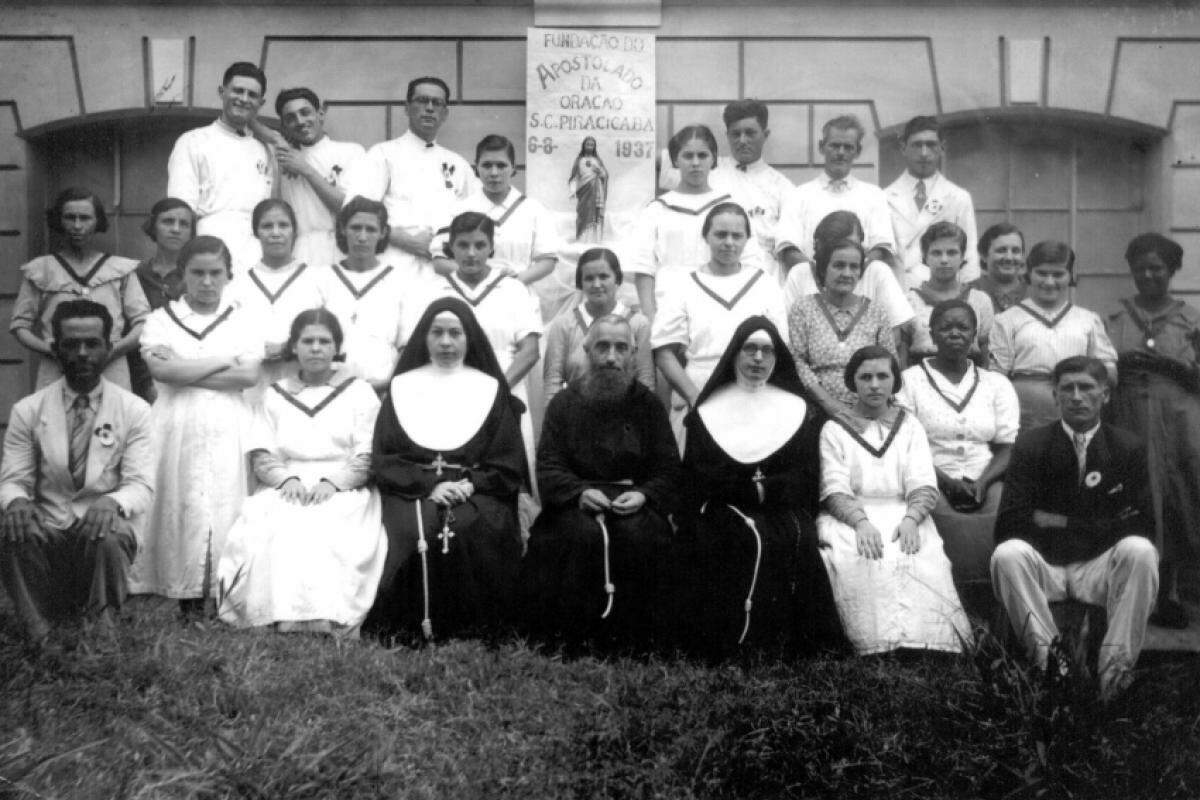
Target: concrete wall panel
{"type": "Point", "coordinates": [40, 76]}
{"type": "Point", "coordinates": [494, 71]}
{"type": "Point", "coordinates": [696, 70]}
{"type": "Point", "coordinates": [381, 69]}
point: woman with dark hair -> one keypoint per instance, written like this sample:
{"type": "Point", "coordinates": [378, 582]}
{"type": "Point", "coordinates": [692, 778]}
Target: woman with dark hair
{"type": "Point", "coordinates": [1002, 261]}
{"type": "Point", "coordinates": [171, 225]}
{"type": "Point", "coordinates": [598, 276]}
{"type": "Point", "coordinates": [826, 328]}
{"type": "Point", "coordinates": [971, 417]}
{"type": "Point", "coordinates": [448, 461]}
{"type": "Point", "coordinates": [891, 579]}
{"type": "Point", "coordinates": [589, 186]}
{"type": "Point", "coordinates": [705, 306]}
{"type": "Point", "coordinates": [1157, 337]}
{"type": "Point", "coordinates": [1035, 334]}
{"type": "Point", "coordinates": [306, 552]}
{"type": "Point", "coordinates": [278, 287]}
{"type": "Point", "coordinates": [751, 483]}
{"type": "Point", "coordinates": [78, 270]}
{"type": "Point", "coordinates": [202, 351]}
{"type": "Point", "coordinates": [668, 242]}
{"type": "Point", "coordinates": [371, 299]}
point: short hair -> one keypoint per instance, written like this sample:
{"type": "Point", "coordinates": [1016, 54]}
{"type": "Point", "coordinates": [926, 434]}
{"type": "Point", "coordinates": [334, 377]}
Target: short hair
{"type": "Point", "coordinates": [685, 135]}
{"type": "Point", "coordinates": [161, 207]}
{"type": "Point", "coordinates": [599, 254]}
{"type": "Point", "coordinates": [206, 245]}
{"type": "Point", "coordinates": [1050, 252]}
{"type": "Point", "coordinates": [868, 353]}
{"type": "Point", "coordinates": [313, 316]}
{"type": "Point", "coordinates": [1167, 249]}
{"type": "Point", "coordinates": [246, 70]}
{"type": "Point", "coordinates": [941, 309]}
{"type": "Point", "coordinates": [943, 229]}
{"type": "Point", "coordinates": [495, 141]}
{"type": "Point", "coordinates": [825, 254]}
{"type": "Point", "coordinates": [299, 93]}
{"type": "Point", "coordinates": [739, 110]}
{"type": "Point", "coordinates": [1089, 364]}
{"type": "Point", "coordinates": [270, 203]}
{"type": "Point", "coordinates": [71, 195]}
{"type": "Point", "coordinates": [360, 205]}
{"type": "Point", "coordinates": [995, 232]}
{"type": "Point", "coordinates": [838, 225]}
{"type": "Point", "coordinates": [606, 319]}
{"type": "Point", "coordinates": [77, 309]}
{"type": "Point", "coordinates": [469, 222]}
{"type": "Point", "coordinates": [921, 124]}
{"type": "Point", "coordinates": [845, 122]}
{"type": "Point", "coordinates": [728, 207]}
{"type": "Point", "coordinates": [411, 91]}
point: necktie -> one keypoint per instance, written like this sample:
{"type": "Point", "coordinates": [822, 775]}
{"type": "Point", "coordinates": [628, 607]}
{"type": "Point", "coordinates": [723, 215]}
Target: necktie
{"type": "Point", "coordinates": [920, 196]}
{"type": "Point", "coordinates": [741, 167]}
{"type": "Point", "coordinates": [1081, 454]}
{"type": "Point", "coordinates": [838, 186]}
{"type": "Point", "coordinates": [81, 434]}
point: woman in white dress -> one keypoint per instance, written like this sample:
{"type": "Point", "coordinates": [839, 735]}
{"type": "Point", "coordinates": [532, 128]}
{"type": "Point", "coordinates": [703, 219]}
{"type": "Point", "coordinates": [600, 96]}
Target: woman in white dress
{"type": "Point", "coordinates": [278, 287]}
{"type": "Point", "coordinates": [307, 550]}
{"type": "Point", "coordinates": [701, 309]}
{"type": "Point", "coordinates": [373, 301]}
{"type": "Point", "coordinates": [202, 352]}
{"type": "Point", "coordinates": [667, 239]}
{"type": "Point", "coordinates": [891, 579]}
{"type": "Point", "coordinates": [1035, 334]}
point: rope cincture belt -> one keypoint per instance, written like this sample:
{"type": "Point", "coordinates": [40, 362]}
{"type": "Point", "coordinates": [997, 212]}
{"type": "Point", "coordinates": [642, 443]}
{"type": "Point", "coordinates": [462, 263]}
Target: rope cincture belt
{"type": "Point", "coordinates": [423, 549]}
{"type": "Point", "coordinates": [609, 587]}
{"type": "Point", "coordinates": [757, 561]}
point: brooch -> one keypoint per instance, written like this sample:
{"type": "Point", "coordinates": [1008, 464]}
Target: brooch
{"type": "Point", "coordinates": [448, 174]}
{"type": "Point", "coordinates": [105, 434]}
{"type": "Point", "coordinates": [1091, 480]}
{"type": "Point", "coordinates": [934, 206]}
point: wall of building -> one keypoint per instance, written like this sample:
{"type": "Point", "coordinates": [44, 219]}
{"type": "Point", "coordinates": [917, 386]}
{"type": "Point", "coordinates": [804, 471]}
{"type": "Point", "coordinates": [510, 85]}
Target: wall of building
{"type": "Point", "coordinates": [1091, 67]}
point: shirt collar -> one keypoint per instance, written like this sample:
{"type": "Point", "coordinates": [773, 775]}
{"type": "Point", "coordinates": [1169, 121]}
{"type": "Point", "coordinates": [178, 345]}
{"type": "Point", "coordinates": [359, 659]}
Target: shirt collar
{"type": "Point", "coordinates": [754, 166]}
{"type": "Point", "coordinates": [229, 129]}
{"type": "Point", "coordinates": [909, 181]}
{"type": "Point", "coordinates": [1087, 435]}
{"type": "Point", "coordinates": [825, 180]}
{"type": "Point", "coordinates": [417, 141]}
{"type": "Point", "coordinates": [184, 311]}
{"type": "Point", "coordinates": [619, 309]}
{"type": "Point", "coordinates": [94, 395]}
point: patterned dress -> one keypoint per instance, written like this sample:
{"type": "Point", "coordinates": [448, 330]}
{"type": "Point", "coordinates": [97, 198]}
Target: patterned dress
{"type": "Point", "coordinates": [823, 338]}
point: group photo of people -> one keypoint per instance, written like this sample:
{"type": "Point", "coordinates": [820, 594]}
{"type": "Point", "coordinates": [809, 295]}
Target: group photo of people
{"type": "Point", "coordinates": [350, 395]}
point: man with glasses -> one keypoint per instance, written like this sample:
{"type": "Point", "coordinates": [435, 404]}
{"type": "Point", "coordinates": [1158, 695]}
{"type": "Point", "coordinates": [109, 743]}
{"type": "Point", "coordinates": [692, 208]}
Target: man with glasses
{"type": "Point", "coordinates": [417, 179]}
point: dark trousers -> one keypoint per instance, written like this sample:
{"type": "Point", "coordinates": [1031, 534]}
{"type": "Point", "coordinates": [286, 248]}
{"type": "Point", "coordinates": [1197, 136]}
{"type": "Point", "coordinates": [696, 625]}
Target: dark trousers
{"type": "Point", "coordinates": [66, 574]}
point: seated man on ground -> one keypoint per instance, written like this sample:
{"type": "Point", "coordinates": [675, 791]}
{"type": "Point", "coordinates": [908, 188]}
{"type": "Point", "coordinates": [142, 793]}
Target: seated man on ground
{"type": "Point", "coordinates": [78, 466]}
{"type": "Point", "coordinates": [1073, 523]}
{"type": "Point", "coordinates": [608, 469]}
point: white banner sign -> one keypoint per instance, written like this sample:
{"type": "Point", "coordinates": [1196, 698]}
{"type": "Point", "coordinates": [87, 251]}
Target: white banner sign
{"type": "Point", "coordinates": [589, 126]}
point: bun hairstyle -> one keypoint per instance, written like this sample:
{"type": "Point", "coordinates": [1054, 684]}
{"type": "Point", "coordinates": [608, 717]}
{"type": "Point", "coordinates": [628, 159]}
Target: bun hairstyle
{"type": "Point", "coordinates": [825, 254]}
{"type": "Point", "coordinates": [727, 207]}
{"type": "Point", "coordinates": [838, 225]}
{"type": "Point", "coordinates": [270, 203]}
{"type": "Point", "coordinates": [162, 207]}
{"type": "Point", "coordinates": [685, 135]}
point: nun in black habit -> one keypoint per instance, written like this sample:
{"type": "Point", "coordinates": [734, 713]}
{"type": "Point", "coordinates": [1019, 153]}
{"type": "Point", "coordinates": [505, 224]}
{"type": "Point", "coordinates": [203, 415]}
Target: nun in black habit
{"type": "Point", "coordinates": [751, 465]}
{"type": "Point", "coordinates": [448, 461]}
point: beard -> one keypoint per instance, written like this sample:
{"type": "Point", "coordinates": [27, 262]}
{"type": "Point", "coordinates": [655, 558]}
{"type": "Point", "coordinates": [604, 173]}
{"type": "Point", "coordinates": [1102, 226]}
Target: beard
{"type": "Point", "coordinates": [606, 386]}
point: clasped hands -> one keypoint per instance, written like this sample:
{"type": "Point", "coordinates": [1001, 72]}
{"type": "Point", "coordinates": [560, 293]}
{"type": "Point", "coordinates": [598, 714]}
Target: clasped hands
{"type": "Point", "coordinates": [22, 522]}
{"type": "Point", "coordinates": [452, 493]}
{"type": "Point", "coordinates": [294, 491]}
{"type": "Point", "coordinates": [594, 501]}
{"type": "Point", "coordinates": [869, 540]}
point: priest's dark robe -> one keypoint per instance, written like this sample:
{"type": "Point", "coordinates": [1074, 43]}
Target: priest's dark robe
{"type": "Point", "coordinates": [472, 574]}
{"type": "Point", "coordinates": [615, 448]}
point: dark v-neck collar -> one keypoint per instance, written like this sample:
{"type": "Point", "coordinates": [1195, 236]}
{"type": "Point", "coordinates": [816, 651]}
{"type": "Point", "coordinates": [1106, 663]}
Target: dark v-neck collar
{"type": "Point", "coordinates": [877, 452]}
{"type": "Point", "coordinates": [958, 407]}
{"type": "Point", "coordinates": [272, 297]}
{"type": "Point", "coordinates": [201, 334]}
{"type": "Point", "coordinates": [87, 277]}
{"type": "Point", "coordinates": [694, 212]}
{"type": "Point", "coordinates": [733, 301]}
{"type": "Point", "coordinates": [931, 300]}
{"type": "Point", "coordinates": [465, 293]}
{"type": "Point", "coordinates": [319, 407]}
{"type": "Point", "coordinates": [842, 335]}
{"type": "Point", "coordinates": [1048, 322]}
{"type": "Point", "coordinates": [358, 293]}
{"type": "Point", "coordinates": [509, 211]}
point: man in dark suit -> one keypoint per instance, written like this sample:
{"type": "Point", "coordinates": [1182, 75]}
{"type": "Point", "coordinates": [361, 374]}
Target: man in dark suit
{"type": "Point", "coordinates": [1074, 522]}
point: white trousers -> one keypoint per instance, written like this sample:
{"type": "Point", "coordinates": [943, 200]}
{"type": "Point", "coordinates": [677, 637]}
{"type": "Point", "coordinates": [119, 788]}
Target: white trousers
{"type": "Point", "coordinates": [1123, 580]}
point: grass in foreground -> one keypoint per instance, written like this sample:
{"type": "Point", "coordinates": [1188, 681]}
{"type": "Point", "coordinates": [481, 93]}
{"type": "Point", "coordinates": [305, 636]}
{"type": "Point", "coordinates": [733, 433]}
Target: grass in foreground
{"type": "Point", "coordinates": [206, 712]}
